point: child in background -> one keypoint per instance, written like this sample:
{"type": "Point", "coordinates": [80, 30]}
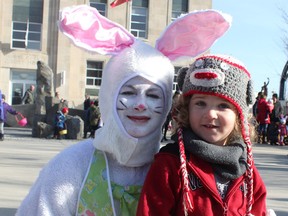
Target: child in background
{"type": "Point", "coordinates": [4, 108]}
{"type": "Point", "coordinates": [282, 130]}
{"type": "Point", "coordinates": [60, 125]}
{"type": "Point", "coordinates": [209, 169]}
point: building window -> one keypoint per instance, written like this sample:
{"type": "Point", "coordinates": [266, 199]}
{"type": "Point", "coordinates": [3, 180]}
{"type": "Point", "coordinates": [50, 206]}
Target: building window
{"type": "Point", "coordinates": [100, 5]}
{"type": "Point", "coordinates": [27, 24]}
{"type": "Point", "coordinates": [94, 73]}
{"type": "Point", "coordinates": [20, 82]}
{"type": "Point", "coordinates": [139, 18]}
{"type": "Point", "coordinates": [179, 7]}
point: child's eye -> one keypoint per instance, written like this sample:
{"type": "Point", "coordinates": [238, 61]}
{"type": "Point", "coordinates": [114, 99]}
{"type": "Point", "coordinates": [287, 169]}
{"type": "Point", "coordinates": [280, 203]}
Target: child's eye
{"type": "Point", "coordinates": [224, 106]}
{"type": "Point", "coordinates": [200, 103]}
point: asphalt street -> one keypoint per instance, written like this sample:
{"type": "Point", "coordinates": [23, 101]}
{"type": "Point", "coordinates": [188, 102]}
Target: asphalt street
{"type": "Point", "coordinates": [22, 157]}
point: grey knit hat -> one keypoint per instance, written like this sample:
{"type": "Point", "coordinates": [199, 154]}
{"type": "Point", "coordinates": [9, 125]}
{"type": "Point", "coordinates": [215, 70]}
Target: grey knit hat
{"type": "Point", "coordinates": [227, 78]}
{"type": "Point", "coordinates": [222, 76]}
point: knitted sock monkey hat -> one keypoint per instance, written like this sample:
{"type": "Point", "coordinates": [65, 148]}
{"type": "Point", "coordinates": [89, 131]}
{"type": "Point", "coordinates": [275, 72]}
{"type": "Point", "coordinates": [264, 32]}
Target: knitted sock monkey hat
{"type": "Point", "coordinates": [227, 78]}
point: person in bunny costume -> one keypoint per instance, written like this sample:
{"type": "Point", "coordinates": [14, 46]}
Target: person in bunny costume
{"type": "Point", "coordinates": [104, 176]}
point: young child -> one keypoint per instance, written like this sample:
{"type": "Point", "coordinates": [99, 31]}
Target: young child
{"type": "Point", "coordinates": [60, 124]}
{"type": "Point", "coordinates": [215, 174]}
{"type": "Point", "coordinates": [4, 108]}
{"type": "Point", "coordinates": [282, 130]}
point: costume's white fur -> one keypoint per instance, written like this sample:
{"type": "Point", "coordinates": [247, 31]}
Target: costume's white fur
{"type": "Point", "coordinates": [56, 191]}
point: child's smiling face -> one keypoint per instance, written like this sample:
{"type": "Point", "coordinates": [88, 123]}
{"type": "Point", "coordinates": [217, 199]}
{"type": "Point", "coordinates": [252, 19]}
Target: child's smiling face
{"type": "Point", "coordinates": [212, 118]}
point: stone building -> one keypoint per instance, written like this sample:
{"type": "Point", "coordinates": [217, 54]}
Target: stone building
{"type": "Point", "coordinates": [29, 33]}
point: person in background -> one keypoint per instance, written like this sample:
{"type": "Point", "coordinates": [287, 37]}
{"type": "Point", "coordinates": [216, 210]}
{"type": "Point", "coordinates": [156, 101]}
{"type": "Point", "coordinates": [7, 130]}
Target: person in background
{"type": "Point", "coordinates": [275, 119]}
{"type": "Point", "coordinates": [94, 118]}
{"type": "Point", "coordinates": [277, 110]}
{"type": "Point", "coordinates": [87, 102]}
{"type": "Point", "coordinates": [209, 169]}
{"type": "Point", "coordinates": [57, 95]}
{"type": "Point", "coordinates": [165, 127]}
{"type": "Point", "coordinates": [4, 108]}
{"type": "Point", "coordinates": [87, 128]}
{"type": "Point", "coordinates": [286, 108]}
{"type": "Point", "coordinates": [60, 124]}
{"type": "Point", "coordinates": [175, 99]}
{"type": "Point", "coordinates": [254, 107]}
{"type": "Point", "coordinates": [29, 95]}
{"type": "Point", "coordinates": [170, 120]}
{"type": "Point", "coordinates": [263, 118]}
{"type": "Point", "coordinates": [282, 130]}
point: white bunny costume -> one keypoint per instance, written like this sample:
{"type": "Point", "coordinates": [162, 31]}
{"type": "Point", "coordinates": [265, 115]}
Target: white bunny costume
{"type": "Point", "coordinates": [146, 62]}
{"type": "Point", "coordinates": [57, 190]}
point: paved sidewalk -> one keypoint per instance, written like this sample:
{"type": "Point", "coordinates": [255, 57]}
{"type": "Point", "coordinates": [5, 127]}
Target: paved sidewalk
{"type": "Point", "coordinates": [22, 157]}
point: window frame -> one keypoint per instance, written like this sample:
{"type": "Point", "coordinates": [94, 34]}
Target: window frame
{"type": "Point", "coordinates": [96, 80]}
{"type": "Point", "coordinates": [176, 13]}
{"type": "Point", "coordinates": [138, 32]}
{"type": "Point", "coordinates": [98, 5]}
{"type": "Point", "coordinates": [27, 25]}
{"type": "Point", "coordinates": [27, 41]}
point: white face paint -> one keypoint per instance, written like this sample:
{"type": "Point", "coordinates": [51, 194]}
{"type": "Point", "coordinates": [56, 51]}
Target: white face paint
{"type": "Point", "coordinates": [140, 105]}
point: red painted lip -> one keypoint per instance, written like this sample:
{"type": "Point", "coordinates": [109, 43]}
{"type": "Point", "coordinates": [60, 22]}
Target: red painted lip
{"type": "Point", "coordinates": [138, 118]}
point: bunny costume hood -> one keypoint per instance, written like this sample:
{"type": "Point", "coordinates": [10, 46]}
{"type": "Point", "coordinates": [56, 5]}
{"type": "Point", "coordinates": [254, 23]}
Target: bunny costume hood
{"type": "Point", "coordinates": [187, 36]}
{"type": "Point", "coordinates": [150, 64]}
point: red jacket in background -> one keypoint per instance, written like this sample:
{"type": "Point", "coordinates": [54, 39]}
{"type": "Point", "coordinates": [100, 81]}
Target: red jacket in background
{"type": "Point", "coordinates": [263, 111]}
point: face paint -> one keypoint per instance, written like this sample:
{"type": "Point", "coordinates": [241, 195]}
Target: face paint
{"type": "Point", "coordinates": [140, 105]}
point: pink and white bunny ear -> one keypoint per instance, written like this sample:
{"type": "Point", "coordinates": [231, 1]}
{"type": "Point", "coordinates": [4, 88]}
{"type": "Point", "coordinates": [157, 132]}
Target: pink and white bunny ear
{"type": "Point", "coordinates": [193, 33]}
{"type": "Point", "coordinates": [88, 29]}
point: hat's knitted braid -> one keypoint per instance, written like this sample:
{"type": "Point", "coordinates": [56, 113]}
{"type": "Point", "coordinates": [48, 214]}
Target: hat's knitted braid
{"type": "Point", "coordinates": [249, 176]}
{"type": "Point", "coordinates": [187, 202]}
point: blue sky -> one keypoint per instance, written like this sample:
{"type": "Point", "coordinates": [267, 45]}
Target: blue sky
{"type": "Point", "coordinates": [256, 38]}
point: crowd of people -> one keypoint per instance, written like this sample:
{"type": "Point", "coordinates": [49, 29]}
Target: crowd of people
{"type": "Point", "coordinates": [271, 120]}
